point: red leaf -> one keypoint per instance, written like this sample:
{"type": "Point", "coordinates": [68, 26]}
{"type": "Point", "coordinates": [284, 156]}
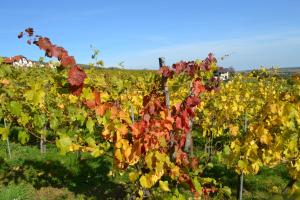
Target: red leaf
{"type": "Point", "coordinates": [76, 76]}
{"type": "Point", "coordinates": [90, 104]}
{"type": "Point", "coordinates": [166, 72]}
{"type": "Point", "coordinates": [20, 35]}
{"type": "Point", "coordinates": [43, 43]}
{"type": "Point", "coordinates": [192, 101]}
{"type": "Point", "coordinates": [147, 118]}
{"type": "Point", "coordinates": [97, 97]}
{"type": "Point", "coordinates": [182, 140]}
{"type": "Point", "coordinates": [194, 163]}
{"type": "Point", "coordinates": [151, 109]}
{"type": "Point", "coordinates": [186, 179]}
{"type": "Point", "coordinates": [94, 102]}
{"type": "Point", "coordinates": [68, 61]}
{"type": "Point", "coordinates": [76, 90]}
{"type": "Point", "coordinates": [178, 123]}
{"type": "Point", "coordinates": [101, 109]}
{"type": "Point", "coordinates": [198, 87]}
{"type": "Point", "coordinates": [55, 51]}
{"type": "Point", "coordinates": [185, 118]}
{"type": "Point", "coordinates": [146, 100]}
{"type": "Point", "coordinates": [29, 31]}
{"type": "Point", "coordinates": [179, 67]}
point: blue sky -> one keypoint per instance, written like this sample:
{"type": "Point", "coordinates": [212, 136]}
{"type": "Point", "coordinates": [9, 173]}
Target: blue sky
{"type": "Point", "coordinates": [254, 33]}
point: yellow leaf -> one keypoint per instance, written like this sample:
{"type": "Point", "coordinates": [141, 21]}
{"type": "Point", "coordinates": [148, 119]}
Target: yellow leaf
{"type": "Point", "coordinates": [74, 147]}
{"type": "Point", "coordinates": [73, 98]}
{"type": "Point", "coordinates": [110, 173]}
{"type": "Point", "coordinates": [141, 193]}
{"type": "Point", "coordinates": [106, 133]}
{"type": "Point", "coordinates": [148, 160]}
{"type": "Point", "coordinates": [122, 129]}
{"type": "Point", "coordinates": [97, 152]}
{"type": "Point", "coordinates": [5, 82]}
{"type": "Point", "coordinates": [145, 183]}
{"type": "Point", "coordinates": [297, 165]}
{"type": "Point", "coordinates": [118, 155]}
{"type": "Point", "coordinates": [127, 152]}
{"type": "Point", "coordinates": [61, 106]}
{"type": "Point", "coordinates": [161, 157]}
{"type": "Point", "coordinates": [273, 108]}
{"type": "Point", "coordinates": [104, 96]}
{"type": "Point", "coordinates": [124, 116]}
{"type": "Point", "coordinates": [133, 176]}
{"type": "Point", "coordinates": [223, 98]}
{"type": "Point", "coordinates": [175, 172]}
{"type": "Point", "coordinates": [266, 138]}
{"type": "Point", "coordinates": [234, 107]}
{"type": "Point", "coordinates": [164, 186]}
{"type": "Point", "coordinates": [162, 142]}
{"type": "Point", "coordinates": [163, 114]}
{"type": "Point", "coordinates": [233, 130]}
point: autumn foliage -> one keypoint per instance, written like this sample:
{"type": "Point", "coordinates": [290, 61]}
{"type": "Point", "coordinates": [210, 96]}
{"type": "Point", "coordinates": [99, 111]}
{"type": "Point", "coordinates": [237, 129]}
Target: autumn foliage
{"type": "Point", "coordinates": [157, 141]}
{"type": "Point", "coordinates": [76, 75]}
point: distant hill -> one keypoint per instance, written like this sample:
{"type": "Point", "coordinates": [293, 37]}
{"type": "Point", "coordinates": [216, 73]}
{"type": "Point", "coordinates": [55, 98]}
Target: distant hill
{"type": "Point", "coordinates": [290, 69]}
{"type": "Point", "coordinates": [283, 71]}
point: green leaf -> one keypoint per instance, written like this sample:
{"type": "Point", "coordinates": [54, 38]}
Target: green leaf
{"type": "Point", "coordinates": [91, 142]}
{"type": "Point", "coordinates": [209, 180]}
{"type": "Point", "coordinates": [39, 121]}
{"type": "Point", "coordinates": [38, 97]}
{"type": "Point", "coordinates": [210, 165]}
{"type": "Point", "coordinates": [15, 108]}
{"type": "Point", "coordinates": [87, 93]}
{"type": "Point", "coordinates": [197, 184]}
{"type": "Point", "coordinates": [54, 123]}
{"type": "Point", "coordinates": [227, 191]}
{"type": "Point", "coordinates": [64, 143]}
{"type": "Point", "coordinates": [242, 164]}
{"type": "Point", "coordinates": [24, 119]}
{"type": "Point", "coordinates": [35, 96]}
{"type": "Point", "coordinates": [23, 137]}
{"type": "Point", "coordinates": [97, 152]}
{"type": "Point", "coordinates": [226, 150]}
{"type": "Point", "coordinates": [90, 125]}
{"type": "Point", "coordinates": [4, 132]}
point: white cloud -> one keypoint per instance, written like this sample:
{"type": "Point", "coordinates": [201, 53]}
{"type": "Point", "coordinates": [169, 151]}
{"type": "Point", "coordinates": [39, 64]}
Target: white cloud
{"type": "Point", "coordinates": [281, 49]}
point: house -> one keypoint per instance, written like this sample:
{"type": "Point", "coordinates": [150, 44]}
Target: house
{"type": "Point", "coordinates": [18, 61]}
{"type": "Point", "coordinates": [224, 73]}
{"type": "Point", "coordinates": [224, 76]}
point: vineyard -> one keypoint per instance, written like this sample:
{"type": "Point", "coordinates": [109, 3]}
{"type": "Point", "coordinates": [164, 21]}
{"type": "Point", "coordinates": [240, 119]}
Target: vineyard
{"type": "Point", "coordinates": [175, 133]}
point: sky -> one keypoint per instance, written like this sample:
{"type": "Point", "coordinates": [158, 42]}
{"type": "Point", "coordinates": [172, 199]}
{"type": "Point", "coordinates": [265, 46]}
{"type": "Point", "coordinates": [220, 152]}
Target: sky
{"type": "Point", "coordinates": [253, 33]}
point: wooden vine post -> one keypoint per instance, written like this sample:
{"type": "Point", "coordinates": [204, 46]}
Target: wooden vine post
{"type": "Point", "coordinates": [165, 89]}
{"type": "Point", "coordinates": [164, 86]}
{"type": "Point", "coordinates": [132, 113]}
{"type": "Point", "coordinates": [241, 176]}
{"type": "Point", "coordinates": [188, 146]}
{"type": "Point", "coordinates": [43, 144]}
{"type": "Point", "coordinates": [7, 142]}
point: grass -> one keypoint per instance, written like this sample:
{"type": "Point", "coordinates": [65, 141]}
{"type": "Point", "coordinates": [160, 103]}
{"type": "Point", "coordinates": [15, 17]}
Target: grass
{"type": "Point", "coordinates": [52, 176]}
{"type": "Point", "coordinates": [20, 191]}
{"type": "Point", "coordinates": [72, 175]}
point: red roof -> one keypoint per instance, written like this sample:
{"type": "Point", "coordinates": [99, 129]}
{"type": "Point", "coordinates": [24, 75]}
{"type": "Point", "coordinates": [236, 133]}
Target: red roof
{"type": "Point", "coordinates": [14, 59]}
